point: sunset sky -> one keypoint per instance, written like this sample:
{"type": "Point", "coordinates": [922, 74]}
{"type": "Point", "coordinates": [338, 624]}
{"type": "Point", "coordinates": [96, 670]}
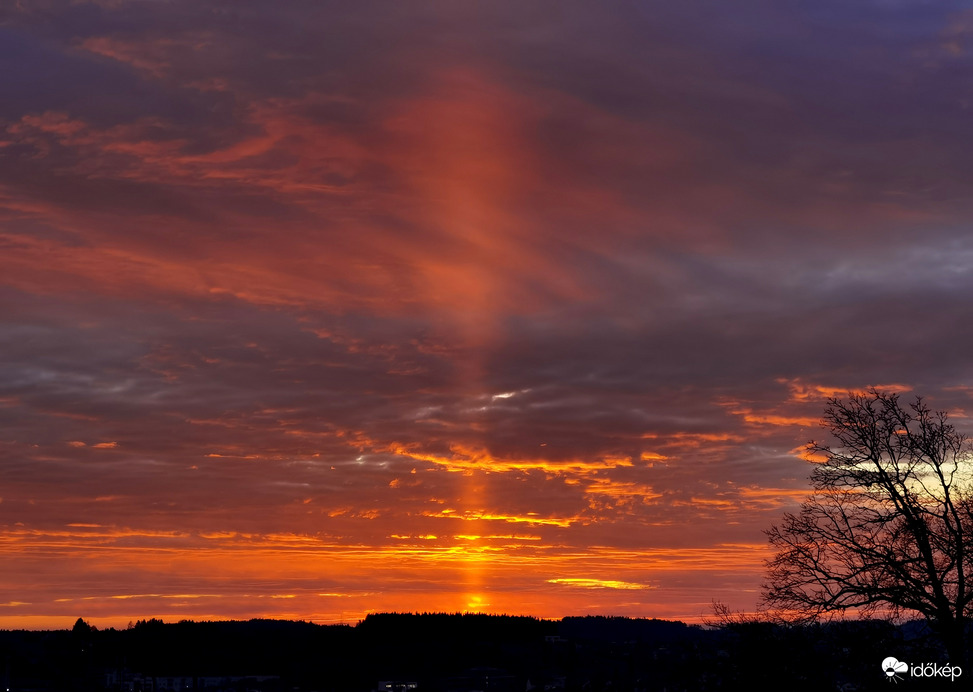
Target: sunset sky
{"type": "Point", "coordinates": [310, 309]}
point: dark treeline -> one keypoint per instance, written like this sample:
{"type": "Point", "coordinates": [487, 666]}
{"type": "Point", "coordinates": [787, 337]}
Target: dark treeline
{"type": "Point", "coordinates": [458, 653]}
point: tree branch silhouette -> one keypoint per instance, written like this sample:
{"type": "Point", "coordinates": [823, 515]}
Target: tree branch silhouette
{"type": "Point", "coordinates": [886, 528]}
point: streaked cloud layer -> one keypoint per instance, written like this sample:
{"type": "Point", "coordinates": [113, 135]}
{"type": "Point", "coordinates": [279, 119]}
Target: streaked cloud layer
{"type": "Point", "coordinates": [315, 309]}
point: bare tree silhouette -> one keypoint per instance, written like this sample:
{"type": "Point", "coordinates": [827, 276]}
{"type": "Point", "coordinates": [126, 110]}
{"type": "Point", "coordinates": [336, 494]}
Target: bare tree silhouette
{"type": "Point", "coordinates": [888, 524]}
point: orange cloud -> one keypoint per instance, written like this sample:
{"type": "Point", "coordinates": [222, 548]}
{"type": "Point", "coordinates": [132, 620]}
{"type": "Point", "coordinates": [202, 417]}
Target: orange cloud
{"type": "Point", "coordinates": [772, 419]}
{"type": "Point", "coordinates": [583, 583]}
{"type": "Point", "coordinates": [466, 460]}
{"type": "Point", "coordinates": [531, 518]}
{"type": "Point", "coordinates": [801, 391]}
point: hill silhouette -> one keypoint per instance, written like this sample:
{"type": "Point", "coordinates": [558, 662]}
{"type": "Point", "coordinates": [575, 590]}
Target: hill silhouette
{"type": "Point", "coordinates": [442, 652]}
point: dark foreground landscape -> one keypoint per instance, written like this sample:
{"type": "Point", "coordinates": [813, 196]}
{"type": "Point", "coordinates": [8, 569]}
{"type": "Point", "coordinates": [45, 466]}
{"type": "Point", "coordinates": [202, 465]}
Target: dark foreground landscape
{"type": "Point", "coordinates": [461, 653]}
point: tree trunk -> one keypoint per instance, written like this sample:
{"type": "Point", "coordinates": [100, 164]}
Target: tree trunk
{"type": "Point", "coordinates": [953, 635]}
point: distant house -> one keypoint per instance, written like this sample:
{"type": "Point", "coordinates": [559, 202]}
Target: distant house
{"type": "Point", "coordinates": [125, 681]}
{"type": "Point", "coordinates": [395, 686]}
{"type": "Point", "coordinates": [555, 683]}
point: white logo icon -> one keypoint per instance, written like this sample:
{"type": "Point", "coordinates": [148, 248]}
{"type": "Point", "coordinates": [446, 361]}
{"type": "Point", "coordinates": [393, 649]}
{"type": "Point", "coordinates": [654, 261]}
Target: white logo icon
{"type": "Point", "coordinates": [894, 667]}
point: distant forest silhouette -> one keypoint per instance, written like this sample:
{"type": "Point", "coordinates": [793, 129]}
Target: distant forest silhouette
{"type": "Point", "coordinates": [441, 652]}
